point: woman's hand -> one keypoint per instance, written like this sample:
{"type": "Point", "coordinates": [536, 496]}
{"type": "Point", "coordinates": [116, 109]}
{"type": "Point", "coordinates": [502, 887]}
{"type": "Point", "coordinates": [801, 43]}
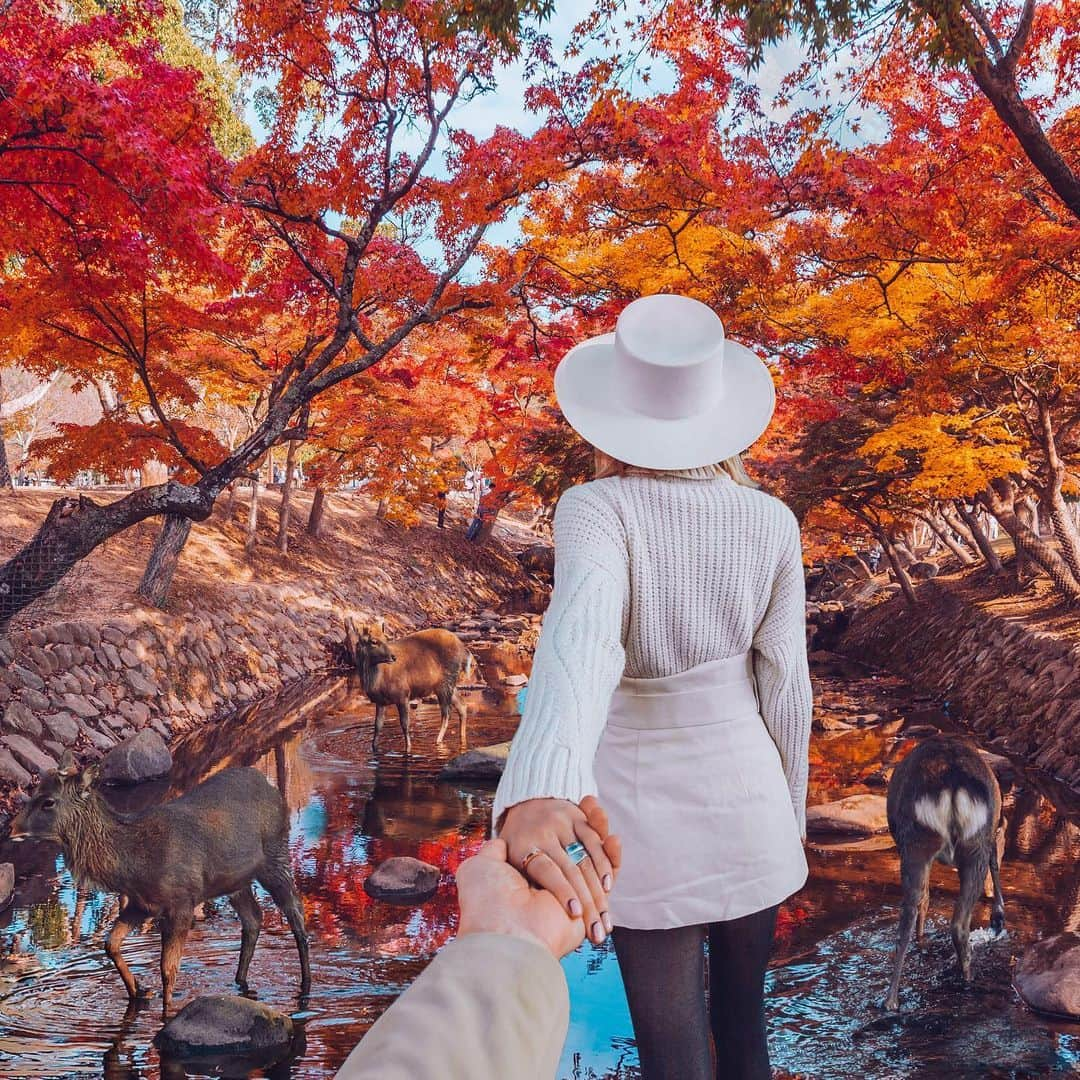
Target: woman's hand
{"type": "Point", "coordinates": [549, 825]}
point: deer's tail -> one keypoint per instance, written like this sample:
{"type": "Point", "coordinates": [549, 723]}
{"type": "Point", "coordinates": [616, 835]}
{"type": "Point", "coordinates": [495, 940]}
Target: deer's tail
{"type": "Point", "coordinates": [955, 813]}
{"type": "Point", "coordinates": [469, 667]}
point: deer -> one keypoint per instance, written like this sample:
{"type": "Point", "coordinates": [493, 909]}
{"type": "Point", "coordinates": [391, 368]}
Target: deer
{"type": "Point", "coordinates": [396, 672]}
{"type": "Point", "coordinates": [944, 804]}
{"type": "Point", "coordinates": [224, 834]}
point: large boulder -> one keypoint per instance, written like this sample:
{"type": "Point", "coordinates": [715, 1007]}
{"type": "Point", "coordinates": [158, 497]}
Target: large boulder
{"type": "Point", "coordinates": [144, 756]}
{"type": "Point", "coordinates": [480, 763]}
{"type": "Point", "coordinates": [923, 571]}
{"type": "Point", "coordinates": [1047, 976]}
{"type": "Point", "coordinates": [220, 1024]}
{"type": "Point", "coordinates": [7, 882]}
{"type": "Point", "coordinates": [855, 815]}
{"type": "Point", "coordinates": [403, 880]}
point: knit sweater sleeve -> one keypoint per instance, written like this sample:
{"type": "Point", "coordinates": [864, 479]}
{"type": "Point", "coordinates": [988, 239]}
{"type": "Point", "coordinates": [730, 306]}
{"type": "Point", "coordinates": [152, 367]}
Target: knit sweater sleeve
{"type": "Point", "coordinates": [579, 657]}
{"type": "Point", "coordinates": [781, 668]}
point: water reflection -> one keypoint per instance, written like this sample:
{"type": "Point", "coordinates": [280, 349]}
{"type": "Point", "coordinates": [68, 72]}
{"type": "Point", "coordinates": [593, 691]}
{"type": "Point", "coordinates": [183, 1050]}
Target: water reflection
{"type": "Point", "coordinates": [62, 1008]}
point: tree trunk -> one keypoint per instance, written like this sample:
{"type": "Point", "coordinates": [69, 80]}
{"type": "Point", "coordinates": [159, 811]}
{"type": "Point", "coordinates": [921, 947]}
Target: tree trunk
{"type": "Point", "coordinates": [998, 83]}
{"type": "Point", "coordinates": [230, 504]}
{"type": "Point", "coordinates": [154, 472]}
{"type": "Point", "coordinates": [6, 482]}
{"type": "Point", "coordinates": [1000, 499]}
{"type": "Point", "coordinates": [1065, 530]}
{"type": "Point", "coordinates": [897, 567]}
{"type": "Point", "coordinates": [982, 542]}
{"type": "Point", "coordinates": [253, 511]}
{"type": "Point", "coordinates": [318, 513]}
{"type": "Point", "coordinates": [942, 533]}
{"type": "Point", "coordinates": [952, 519]}
{"type": "Point", "coordinates": [285, 507]}
{"type": "Point", "coordinates": [164, 558]}
{"type": "Point", "coordinates": [903, 552]}
{"type": "Point", "coordinates": [1050, 498]}
{"type": "Point", "coordinates": [76, 526]}
{"type": "Point", "coordinates": [1027, 514]}
{"type": "Point", "coordinates": [381, 509]}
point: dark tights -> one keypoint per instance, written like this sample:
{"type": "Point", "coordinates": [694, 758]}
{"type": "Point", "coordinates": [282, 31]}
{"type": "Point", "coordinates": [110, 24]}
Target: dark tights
{"type": "Point", "coordinates": [664, 975]}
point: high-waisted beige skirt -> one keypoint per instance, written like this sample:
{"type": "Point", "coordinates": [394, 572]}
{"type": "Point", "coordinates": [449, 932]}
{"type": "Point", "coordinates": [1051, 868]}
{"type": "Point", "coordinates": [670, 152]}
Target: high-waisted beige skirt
{"type": "Point", "coordinates": [693, 784]}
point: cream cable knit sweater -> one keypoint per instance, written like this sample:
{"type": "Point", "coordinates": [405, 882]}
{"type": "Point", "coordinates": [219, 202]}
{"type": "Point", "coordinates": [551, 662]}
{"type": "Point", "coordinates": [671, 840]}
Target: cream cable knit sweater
{"type": "Point", "coordinates": [655, 574]}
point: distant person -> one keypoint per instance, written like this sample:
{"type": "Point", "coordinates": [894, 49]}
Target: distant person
{"type": "Point", "coordinates": [493, 1005]}
{"type": "Point", "coordinates": [874, 557]}
{"type": "Point", "coordinates": [440, 502]}
{"type": "Point", "coordinates": [671, 679]}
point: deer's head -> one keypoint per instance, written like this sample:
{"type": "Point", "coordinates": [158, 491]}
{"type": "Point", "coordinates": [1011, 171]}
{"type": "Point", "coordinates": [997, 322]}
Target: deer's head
{"type": "Point", "coordinates": [56, 803]}
{"type": "Point", "coordinates": [369, 642]}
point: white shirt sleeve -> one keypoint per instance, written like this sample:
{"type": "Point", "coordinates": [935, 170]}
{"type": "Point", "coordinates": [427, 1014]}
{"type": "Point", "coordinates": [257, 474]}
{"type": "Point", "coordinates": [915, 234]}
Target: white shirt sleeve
{"type": "Point", "coordinates": [782, 671]}
{"type": "Point", "coordinates": [579, 657]}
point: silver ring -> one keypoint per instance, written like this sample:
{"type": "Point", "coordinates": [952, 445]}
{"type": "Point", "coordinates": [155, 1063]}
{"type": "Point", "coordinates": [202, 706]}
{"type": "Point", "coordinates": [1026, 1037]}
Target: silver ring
{"type": "Point", "coordinates": [577, 851]}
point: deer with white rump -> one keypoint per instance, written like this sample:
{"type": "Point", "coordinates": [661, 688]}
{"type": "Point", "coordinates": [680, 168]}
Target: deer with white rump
{"type": "Point", "coordinates": [414, 666]}
{"type": "Point", "coordinates": [944, 804]}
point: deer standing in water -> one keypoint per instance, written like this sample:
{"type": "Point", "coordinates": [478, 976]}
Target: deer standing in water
{"type": "Point", "coordinates": [395, 672]}
{"type": "Point", "coordinates": [944, 803]}
{"type": "Point", "coordinates": [216, 840]}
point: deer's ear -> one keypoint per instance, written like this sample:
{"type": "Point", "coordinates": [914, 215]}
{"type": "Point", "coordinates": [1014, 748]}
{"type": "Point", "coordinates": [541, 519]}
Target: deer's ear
{"type": "Point", "coordinates": [88, 777]}
{"type": "Point", "coordinates": [67, 766]}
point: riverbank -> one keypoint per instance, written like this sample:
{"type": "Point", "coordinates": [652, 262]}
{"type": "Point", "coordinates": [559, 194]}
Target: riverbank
{"type": "Point", "coordinates": [92, 665]}
{"type": "Point", "coordinates": [1008, 667]}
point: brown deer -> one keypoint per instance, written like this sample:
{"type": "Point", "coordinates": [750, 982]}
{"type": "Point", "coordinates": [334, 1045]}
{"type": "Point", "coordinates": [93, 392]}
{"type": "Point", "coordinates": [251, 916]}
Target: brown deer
{"type": "Point", "coordinates": [216, 840]}
{"type": "Point", "coordinates": [944, 803]}
{"type": "Point", "coordinates": [395, 672]}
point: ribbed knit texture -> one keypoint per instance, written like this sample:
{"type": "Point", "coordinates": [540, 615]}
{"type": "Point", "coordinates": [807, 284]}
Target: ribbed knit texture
{"type": "Point", "coordinates": [655, 574]}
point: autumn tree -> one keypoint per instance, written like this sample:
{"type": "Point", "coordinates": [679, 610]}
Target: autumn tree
{"type": "Point", "coordinates": [361, 133]}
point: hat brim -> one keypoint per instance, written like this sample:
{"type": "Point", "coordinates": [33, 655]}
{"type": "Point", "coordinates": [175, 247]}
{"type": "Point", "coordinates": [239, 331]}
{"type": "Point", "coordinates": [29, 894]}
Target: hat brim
{"type": "Point", "coordinates": [585, 391]}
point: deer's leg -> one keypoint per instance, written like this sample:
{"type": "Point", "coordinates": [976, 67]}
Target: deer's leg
{"type": "Point", "coordinates": [403, 718]}
{"type": "Point", "coordinates": [175, 926]}
{"type": "Point", "coordinates": [463, 716]}
{"type": "Point", "coordinates": [378, 726]}
{"type": "Point", "coordinates": [444, 694]}
{"type": "Point", "coordinates": [129, 919]}
{"type": "Point", "coordinates": [997, 912]}
{"type": "Point", "coordinates": [914, 879]}
{"type": "Point", "coordinates": [924, 907]}
{"type": "Point", "coordinates": [247, 907]}
{"type": "Point", "coordinates": [277, 880]}
{"type": "Point", "coordinates": [971, 863]}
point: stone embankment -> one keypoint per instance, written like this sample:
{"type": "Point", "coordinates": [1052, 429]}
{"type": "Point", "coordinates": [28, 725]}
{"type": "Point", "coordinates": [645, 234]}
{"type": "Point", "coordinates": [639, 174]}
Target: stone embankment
{"type": "Point", "coordinates": [1014, 685]}
{"type": "Point", "coordinates": [86, 686]}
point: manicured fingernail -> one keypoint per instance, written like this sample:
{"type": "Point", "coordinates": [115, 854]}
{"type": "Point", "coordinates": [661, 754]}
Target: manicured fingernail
{"type": "Point", "coordinates": [575, 907]}
{"type": "Point", "coordinates": [607, 921]}
{"type": "Point", "coordinates": [606, 882]}
{"type": "Point", "coordinates": [597, 932]}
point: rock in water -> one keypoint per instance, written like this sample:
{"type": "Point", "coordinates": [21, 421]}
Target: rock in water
{"type": "Point", "coordinates": [144, 756]}
{"type": "Point", "coordinates": [7, 882]}
{"type": "Point", "coordinates": [1047, 976]}
{"type": "Point", "coordinates": [856, 815]}
{"type": "Point", "coordinates": [403, 880]}
{"type": "Point", "coordinates": [481, 763]}
{"type": "Point", "coordinates": [226, 1024]}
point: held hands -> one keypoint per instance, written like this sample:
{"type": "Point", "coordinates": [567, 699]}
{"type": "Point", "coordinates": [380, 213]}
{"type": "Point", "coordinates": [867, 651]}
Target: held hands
{"type": "Point", "coordinates": [496, 898]}
{"type": "Point", "coordinates": [539, 831]}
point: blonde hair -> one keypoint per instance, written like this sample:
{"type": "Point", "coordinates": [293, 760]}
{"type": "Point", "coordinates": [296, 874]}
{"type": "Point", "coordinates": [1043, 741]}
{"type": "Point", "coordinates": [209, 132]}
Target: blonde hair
{"type": "Point", "coordinates": [606, 465]}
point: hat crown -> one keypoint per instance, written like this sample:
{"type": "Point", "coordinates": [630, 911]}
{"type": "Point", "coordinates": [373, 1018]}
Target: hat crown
{"type": "Point", "coordinates": [669, 356]}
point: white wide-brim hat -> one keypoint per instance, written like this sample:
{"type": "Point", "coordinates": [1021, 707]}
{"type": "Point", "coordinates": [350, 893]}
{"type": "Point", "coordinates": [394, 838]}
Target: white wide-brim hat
{"type": "Point", "coordinates": [667, 390]}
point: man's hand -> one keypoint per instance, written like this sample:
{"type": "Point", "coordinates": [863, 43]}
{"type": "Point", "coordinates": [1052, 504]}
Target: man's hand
{"type": "Point", "coordinates": [496, 899]}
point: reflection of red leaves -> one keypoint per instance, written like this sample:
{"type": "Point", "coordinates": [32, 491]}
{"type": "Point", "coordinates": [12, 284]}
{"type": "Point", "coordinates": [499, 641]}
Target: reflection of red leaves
{"type": "Point", "coordinates": [789, 918]}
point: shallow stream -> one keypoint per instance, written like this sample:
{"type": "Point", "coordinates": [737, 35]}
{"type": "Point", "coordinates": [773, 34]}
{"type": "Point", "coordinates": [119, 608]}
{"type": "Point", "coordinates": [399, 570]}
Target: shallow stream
{"type": "Point", "coordinates": [63, 1009]}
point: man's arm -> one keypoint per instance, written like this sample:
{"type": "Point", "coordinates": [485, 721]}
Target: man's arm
{"type": "Point", "coordinates": [490, 1006]}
